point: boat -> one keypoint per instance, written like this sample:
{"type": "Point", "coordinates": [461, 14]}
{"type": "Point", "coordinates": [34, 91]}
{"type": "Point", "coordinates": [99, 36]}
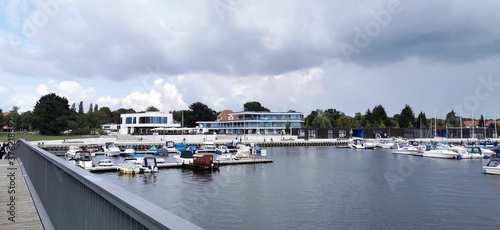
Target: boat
{"type": "Point", "coordinates": [105, 162]}
{"type": "Point", "coordinates": [72, 150]}
{"type": "Point", "coordinates": [475, 152]}
{"type": "Point", "coordinates": [129, 167]}
{"type": "Point", "coordinates": [203, 161]}
{"type": "Point", "coordinates": [148, 165]}
{"type": "Point", "coordinates": [493, 167]}
{"type": "Point", "coordinates": [170, 146]}
{"type": "Point", "coordinates": [180, 147]}
{"type": "Point", "coordinates": [487, 152]}
{"type": "Point", "coordinates": [225, 157]}
{"type": "Point", "coordinates": [111, 149]}
{"type": "Point", "coordinates": [439, 151]}
{"type": "Point", "coordinates": [91, 149]}
{"type": "Point", "coordinates": [243, 151]}
{"type": "Point", "coordinates": [409, 148]}
{"type": "Point", "coordinates": [461, 151]}
{"type": "Point", "coordinates": [385, 144]}
{"type": "Point", "coordinates": [221, 149]}
{"type": "Point", "coordinates": [82, 159]}
{"type": "Point", "coordinates": [207, 147]}
{"type": "Point", "coordinates": [358, 143]}
{"type": "Point", "coordinates": [129, 151]}
{"type": "Point", "coordinates": [184, 157]}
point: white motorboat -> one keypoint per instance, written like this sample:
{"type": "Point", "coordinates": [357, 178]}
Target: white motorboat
{"type": "Point", "coordinates": [225, 157]}
{"type": "Point", "coordinates": [129, 150]}
{"type": "Point", "coordinates": [111, 149]}
{"type": "Point", "coordinates": [129, 166]}
{"type": "Point", "coordinates": [207, 147]}
{"type": "Point", "coordinates": [475, 152]}
{"type": "Point", "coordinates": [486, 151]}
{"type": "Point", "coordinates": [221, 149]}
{"type": "Point", "coordinates": [184, 157]}
{"type": "Point", "coordinates": [105, 162]}
{"type": "Point", "coordinates": [170, 146]}
{"type": "Point", "coordinates": [461, 151]}
{"type": "Point", "coordinates": [493, 167]}
{"type": "Point", "coordinates": [439, 151]}
{"type": "Point", "coordinates": [91, 149]}
{"type": "Point", "coordinates": [148, 165]}
{"type": "Point", "coordinates": [357, 144]}
{"type": "Point", "coordinates": [409, 148]}
{"type": "Point", "coordinates": [385, 144]}
{"type": "Point", "coordinates": [82, 159]}
{"type": "Point", "coordinates": [72, 150]}
{"type": "Point", "coordinates": [243, 151]}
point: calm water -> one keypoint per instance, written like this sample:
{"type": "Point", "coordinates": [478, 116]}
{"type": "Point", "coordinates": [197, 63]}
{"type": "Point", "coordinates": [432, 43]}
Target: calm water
{"type": "Point", "coordinates": [328, 188]}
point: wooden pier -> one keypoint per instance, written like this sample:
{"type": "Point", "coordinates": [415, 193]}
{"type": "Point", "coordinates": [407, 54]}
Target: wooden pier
{"type": "Point", "coordinates": [17, 208]}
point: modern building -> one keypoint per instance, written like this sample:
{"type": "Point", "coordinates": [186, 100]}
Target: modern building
{"type": "Point", "coordinates": [254, 123]}
{"type": "Point", "coordinates": [147, 123]}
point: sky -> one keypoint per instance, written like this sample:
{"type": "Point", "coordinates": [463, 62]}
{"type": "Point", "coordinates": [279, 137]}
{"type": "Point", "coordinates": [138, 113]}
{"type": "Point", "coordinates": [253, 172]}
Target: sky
{"type": "Point", "coordinates": [435, 56]}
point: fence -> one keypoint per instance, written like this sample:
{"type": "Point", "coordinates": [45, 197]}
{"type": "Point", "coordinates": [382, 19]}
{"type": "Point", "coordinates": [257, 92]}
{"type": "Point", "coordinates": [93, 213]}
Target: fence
{"type": "Point", "coordinates": [76, 199]}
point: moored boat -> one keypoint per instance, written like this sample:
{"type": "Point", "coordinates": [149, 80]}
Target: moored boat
{"type": "Point", "coordinates": [184, 157]}
{"type": "Point", "coordinates": [105, 162]}
{"type": "Point", "coordinates": [111, 149]}
{"type": "Point", "coordinates": [439, 151]}
{"type": "Point", "coordinates": [129, 167]}
{"type": "Point", "coordinates": [493, 167]}
{"type": "Point", "coordinates": [72, 150]}
{"type": "Point", "coordinates": [207, 147]}
{"type": "Point", "coordinates": [82, 159]}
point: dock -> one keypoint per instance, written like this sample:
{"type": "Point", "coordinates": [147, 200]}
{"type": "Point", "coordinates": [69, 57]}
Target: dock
{"type": "Point", "coordinates": [17, 210]}
{"type": "Point", "coordinates": [97, 169]}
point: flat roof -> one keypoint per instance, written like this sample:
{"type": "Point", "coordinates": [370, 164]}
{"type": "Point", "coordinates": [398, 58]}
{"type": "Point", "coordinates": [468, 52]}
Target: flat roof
{"type": "Point", "coordinates": [270, 113]}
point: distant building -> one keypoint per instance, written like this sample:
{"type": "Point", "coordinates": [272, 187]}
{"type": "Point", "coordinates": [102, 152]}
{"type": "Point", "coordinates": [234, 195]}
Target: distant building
{"type": "Point", "coordinates": [254, 123]}
{"type": "Point", "coordinates": [226, 115]}
{"type": "Point", "coordinates": [108, 128]}
{"type": "Point", "coordinates": [147, 123]}
{"type": "Point", "coordinates": [468, 124]}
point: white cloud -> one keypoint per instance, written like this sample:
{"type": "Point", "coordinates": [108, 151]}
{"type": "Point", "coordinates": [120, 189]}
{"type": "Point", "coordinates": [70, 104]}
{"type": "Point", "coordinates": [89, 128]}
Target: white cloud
{"type": "Point", "coordinates": [42, 89]}
{"type": "Point", "coordinates": [74, 92]}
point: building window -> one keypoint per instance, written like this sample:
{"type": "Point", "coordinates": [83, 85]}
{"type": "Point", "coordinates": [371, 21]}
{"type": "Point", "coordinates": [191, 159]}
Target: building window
{"type": "Point", "coordinates": [128, 120]}
{"type": "Point", "coordinates": [342, 133]}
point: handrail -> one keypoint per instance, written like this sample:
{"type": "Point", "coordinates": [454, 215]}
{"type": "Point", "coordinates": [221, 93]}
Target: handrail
{"type": "Point", "coordinates": [77, 199]}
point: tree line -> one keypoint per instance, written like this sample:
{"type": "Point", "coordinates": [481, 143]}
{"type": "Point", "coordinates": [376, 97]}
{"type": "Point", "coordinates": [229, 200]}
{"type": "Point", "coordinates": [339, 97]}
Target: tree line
{"type": "Point", "coordinates": [53, 115]}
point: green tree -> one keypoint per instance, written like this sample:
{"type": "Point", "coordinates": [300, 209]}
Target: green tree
{"type": "Point", "coordinates": [91, 108]}
{"type": "Point", "coordinates": [421, 119]}
{"type": "Point", "coordinates": [27, 120]}
{"type": "Point", "coordinates": [321, 122]}
{"type": "Point", "coordinates": [310, 118]}
{"type": "Point", "coordinates": [344, 121]}
{"type": "Point", "coordinates": [96, 108]}
{"type": "Point", "coordinates": [287, 128]}
{"type": "Point", "coordinates": [51, 114]}
{"type": "Point", "coordinates": [198, 112]}
{"type": "Point", "coordinates": [73, 107]}
{"type": "Point", "coordinates": [368, 118]}
{"type": "Point", "coordinates": [152, 109]}
{"type": "Point", "coordinates": [333, 115]}
{"type": "Point", "coordinates": [80, 108]}
{"type": "Point", "coordinates": [481, 121]}
{"type": "Point", "coordinates": [452, 119]}
{"type": "Point", "coordinates": [255, 107]}
{"type": "Point", "coordinates": [407, 117]}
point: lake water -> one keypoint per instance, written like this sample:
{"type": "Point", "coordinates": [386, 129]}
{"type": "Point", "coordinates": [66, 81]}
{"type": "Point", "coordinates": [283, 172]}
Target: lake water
{"type": "Point", "coordinates": [328, 188]}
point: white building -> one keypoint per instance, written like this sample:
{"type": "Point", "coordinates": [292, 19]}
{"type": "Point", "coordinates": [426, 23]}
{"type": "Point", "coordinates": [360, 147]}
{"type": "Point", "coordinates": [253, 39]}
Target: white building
{"type": "Point", "coordinates": [147, 123]}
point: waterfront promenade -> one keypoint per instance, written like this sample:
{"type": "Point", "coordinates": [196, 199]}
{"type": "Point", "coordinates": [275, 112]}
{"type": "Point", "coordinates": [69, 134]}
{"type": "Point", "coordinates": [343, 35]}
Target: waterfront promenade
{"type": "Point", "coordinates": [17, 208]}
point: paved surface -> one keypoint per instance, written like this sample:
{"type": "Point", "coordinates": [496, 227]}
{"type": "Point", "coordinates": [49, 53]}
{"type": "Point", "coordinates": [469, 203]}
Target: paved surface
{"type": "Point", "coordinates": [17, 210]}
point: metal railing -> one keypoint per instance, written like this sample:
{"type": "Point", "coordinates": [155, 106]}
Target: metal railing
{"type": "Point", "coordinates": [76, 199]}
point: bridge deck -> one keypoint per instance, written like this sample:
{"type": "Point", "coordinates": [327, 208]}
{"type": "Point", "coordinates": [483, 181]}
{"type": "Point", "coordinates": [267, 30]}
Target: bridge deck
{"type": "Point", "coordinates": [18, 204]}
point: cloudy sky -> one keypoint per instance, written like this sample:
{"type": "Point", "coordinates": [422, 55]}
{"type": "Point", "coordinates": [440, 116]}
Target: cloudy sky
{"type": "Point", "coordinates": [302, 55]}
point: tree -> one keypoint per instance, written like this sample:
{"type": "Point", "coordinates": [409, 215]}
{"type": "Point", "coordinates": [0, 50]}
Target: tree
{"type": "Point", "coordinates": [198, 112]}
{"type": "Point", "coordinates": [91, 108]}
{"type": "Point", "coordinates": [26, 120]}
{"type": "Point", "coordinates": [379, 114]}
{"type": "Point", "coordinates": [287, 128]}
{"type": "Point", "coordinates": [344, 121]}
{"type": "Point", "coordinates": [255, 107]}
{"type": "Point", "coordinates": [96, 108]}
{"type": "Point", "coordinates": [80, 108]}
{"type": "Point", "coordinates": [321, 122]}
{"type": "Point", "coordinates": [407, 117]}
{"type": "Point", "coordinates": [452, 119]}
{"type": "Point", "coordinates": [73, 107]}
{"type": "Point", "coordinates": [152, 109]}
{"type": "Point", "coordinates": [421, 119]}
{"type": "Point", "coordinates": [333, 115]}
{"type": "Point", "coordinates": [368, 118]}
{"type": "Point", "coordinates": [481, 121]}
{"type": "Point", "coordinates": [51, 114]}
{"type": "Point", "coordinates": [310, 118]}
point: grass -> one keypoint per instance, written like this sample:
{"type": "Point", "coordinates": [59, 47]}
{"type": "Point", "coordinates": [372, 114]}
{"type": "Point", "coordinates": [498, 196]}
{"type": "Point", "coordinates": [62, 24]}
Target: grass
{"type": "Point", "coordinates": [38, 137]}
